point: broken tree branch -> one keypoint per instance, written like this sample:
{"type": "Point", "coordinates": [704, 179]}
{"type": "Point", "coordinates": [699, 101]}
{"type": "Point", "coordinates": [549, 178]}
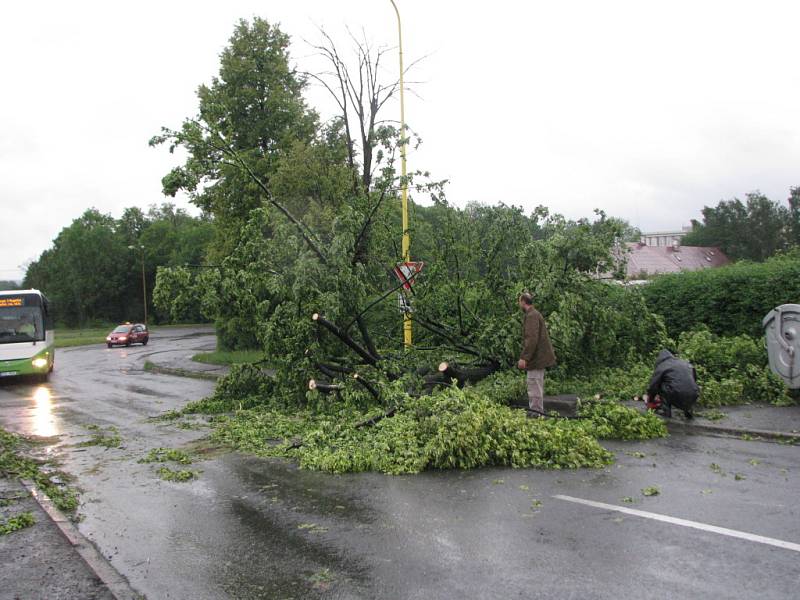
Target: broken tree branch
{"type": "Point", "coordinates": [346, 339]}
{"type": "Point", "coordinates": [369, 387]}
{"type": "Point", "coordinates": [325, 388]}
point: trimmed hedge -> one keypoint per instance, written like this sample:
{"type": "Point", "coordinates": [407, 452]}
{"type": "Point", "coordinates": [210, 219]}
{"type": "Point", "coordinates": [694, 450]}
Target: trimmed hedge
{"type": "Point", "coordinates": [730, 300]}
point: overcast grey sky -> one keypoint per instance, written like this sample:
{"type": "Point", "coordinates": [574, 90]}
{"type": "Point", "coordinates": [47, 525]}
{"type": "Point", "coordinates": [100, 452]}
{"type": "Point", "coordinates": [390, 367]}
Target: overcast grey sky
{"type": "Point", "coordinates": [649, 110]}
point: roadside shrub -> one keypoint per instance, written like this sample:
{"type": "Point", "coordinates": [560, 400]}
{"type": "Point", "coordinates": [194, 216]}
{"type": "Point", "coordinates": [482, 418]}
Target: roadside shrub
{"type": "Point", "coordinates": [731, 370]}
{"type": "Point", "coordinates": [762, 385]}
{"type": "Point", "coordinates": [714, 392]}
{"type": "Point", "coordinates": [729, 300]}
{"type": "Point", "coordinates": [720, 356]}
{"type": "Point", "coordinates": [600, 325]}
{"type": "Point", "coordinates": [235, 333]}
{"type": "Point", "coordinates": [245, 386]}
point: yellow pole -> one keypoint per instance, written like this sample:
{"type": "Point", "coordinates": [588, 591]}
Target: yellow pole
{"type": "Point", "coordinates": [404, 185]}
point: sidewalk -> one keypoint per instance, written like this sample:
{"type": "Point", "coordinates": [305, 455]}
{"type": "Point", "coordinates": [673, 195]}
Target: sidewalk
{"type": "Point", "coordinates": [749, 421]}
{"type": "Point", "coordinates": [51, 559]}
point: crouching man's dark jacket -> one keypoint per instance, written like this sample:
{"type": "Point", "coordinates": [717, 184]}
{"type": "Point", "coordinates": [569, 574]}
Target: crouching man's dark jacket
{"type": "Point", "coordinates": [675, 380]}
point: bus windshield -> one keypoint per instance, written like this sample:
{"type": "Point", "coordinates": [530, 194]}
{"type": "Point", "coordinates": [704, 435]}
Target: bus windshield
{"type": "Point", "coordinates": [21, 324]}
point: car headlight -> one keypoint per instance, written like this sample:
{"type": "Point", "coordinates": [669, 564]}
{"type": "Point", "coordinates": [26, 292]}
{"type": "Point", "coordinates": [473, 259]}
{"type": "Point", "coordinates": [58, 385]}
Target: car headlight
{"type": "Point", "coordinates": [39, 363]}
{"type": "Point", "coordinates": [108, 338]}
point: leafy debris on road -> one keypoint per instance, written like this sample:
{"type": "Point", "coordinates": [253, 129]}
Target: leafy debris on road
{"type": "Point", "coordinates": [21, 521]}
{"type": "Point", "coordinates": [109, 437]}
{"type": "Point", "coordinates": [14, 463]}
{"type": "Point", "coordinates": [181, 476]}
{"type": "Point", "coordinates": [167, 455]}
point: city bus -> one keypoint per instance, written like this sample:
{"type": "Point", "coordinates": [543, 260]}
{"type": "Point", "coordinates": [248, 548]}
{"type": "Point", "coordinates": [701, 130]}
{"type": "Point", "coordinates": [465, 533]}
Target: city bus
{"type": "Point", "coordinates": [27, 339]}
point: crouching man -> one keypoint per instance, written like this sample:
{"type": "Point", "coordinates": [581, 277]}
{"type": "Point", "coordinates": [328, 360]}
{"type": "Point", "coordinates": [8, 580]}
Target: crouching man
{"type": "Point", "coordinates": [674, 383]}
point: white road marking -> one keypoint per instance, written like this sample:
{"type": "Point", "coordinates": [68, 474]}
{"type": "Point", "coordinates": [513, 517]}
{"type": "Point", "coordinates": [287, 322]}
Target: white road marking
{"type": "Point", "coordinates": [686, 523]}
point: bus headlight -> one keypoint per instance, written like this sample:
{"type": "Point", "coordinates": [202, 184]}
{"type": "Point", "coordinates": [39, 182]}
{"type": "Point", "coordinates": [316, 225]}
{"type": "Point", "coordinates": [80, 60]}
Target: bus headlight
{"type": "Point", "coordinates": [39, 363]}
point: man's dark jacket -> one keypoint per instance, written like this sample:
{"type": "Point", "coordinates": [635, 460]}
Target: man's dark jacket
{"type": "Point", "coordinates": [536, 347]}
{"type": "Point", "coordinates": [675, 380]}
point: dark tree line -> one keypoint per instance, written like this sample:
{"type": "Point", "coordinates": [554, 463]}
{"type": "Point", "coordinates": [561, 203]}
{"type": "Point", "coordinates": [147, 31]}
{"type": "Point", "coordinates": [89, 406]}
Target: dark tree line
{"type": "Point", "coordinates": [755, 229]}
{"type": "Point", "coordinates": [93, 271]}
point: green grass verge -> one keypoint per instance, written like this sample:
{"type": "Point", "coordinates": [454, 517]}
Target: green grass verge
{"type": "Point", "coordinates": [66, 338]}
{"type": "Point", "coordinates": [229, 357]}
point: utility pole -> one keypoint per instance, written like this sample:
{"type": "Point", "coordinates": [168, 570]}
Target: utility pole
{"type": "Point", "coordinates": [144, 281]}
{"type": "Point", "coordinates": [406, 247]}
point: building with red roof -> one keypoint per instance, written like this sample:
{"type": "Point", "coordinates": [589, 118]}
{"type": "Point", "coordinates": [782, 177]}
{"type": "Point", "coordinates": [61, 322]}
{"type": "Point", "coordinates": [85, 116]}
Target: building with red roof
{"type": "Point", "coordinates": [645, 261]}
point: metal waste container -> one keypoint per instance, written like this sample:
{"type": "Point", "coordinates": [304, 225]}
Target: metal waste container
{"type": "Point", "coordinates": [782, 332]}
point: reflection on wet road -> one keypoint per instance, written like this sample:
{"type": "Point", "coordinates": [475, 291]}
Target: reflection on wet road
{"type": "Point", "coordinates": [44, 422]}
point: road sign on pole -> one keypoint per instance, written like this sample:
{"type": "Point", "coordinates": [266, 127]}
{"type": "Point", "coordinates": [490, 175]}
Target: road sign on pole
{"type": "Point", "coordinates": [406, 273]}
{"type": "Point", "coordinates": [404, 303]}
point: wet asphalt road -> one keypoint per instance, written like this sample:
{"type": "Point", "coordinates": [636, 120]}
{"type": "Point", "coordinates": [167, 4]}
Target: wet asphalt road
{"type": "Point", "coordinates": [254, 528]}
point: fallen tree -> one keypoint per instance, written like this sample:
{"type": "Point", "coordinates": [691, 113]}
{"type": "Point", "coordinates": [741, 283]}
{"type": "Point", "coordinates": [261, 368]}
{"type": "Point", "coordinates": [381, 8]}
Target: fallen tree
{"type": "Point", "coordinates": [307, 274]}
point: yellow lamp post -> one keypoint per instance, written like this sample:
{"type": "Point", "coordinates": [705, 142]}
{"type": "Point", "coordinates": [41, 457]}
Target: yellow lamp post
{"type": "Point", "coordinates": [406, 247]}
{"type": "Point", "coordinates": [144, 282]}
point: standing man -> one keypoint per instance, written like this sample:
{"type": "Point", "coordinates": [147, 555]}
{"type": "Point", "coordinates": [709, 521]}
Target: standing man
{"type": "Point", "coordinates": [537, 352]}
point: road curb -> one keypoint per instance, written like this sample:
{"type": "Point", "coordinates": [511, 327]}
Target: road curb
{"type": "Point", "coordinates": [733, 431]}
{"type": "Point", "coordinates": [97, 563]}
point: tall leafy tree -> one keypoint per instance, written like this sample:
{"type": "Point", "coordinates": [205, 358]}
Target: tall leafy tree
{"type": "Point", "coordinates": [754, 230]}
{"type": "Point", "coordinates": [330, 185]}
{"type": "Point", "coordinates": [131, 224]}
{"type": "Point", "coordinates": [255, 108]}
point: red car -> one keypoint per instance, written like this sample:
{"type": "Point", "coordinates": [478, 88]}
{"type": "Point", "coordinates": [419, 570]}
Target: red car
{"type": "Point", "coordinates": [127, 334]}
